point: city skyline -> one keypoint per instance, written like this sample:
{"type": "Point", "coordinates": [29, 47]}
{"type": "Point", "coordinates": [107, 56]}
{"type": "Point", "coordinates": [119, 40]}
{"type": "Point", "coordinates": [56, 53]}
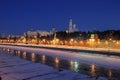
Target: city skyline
{"type": "Point", "coordinates": [19, 16]}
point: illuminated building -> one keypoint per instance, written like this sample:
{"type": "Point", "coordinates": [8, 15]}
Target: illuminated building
{"type": "Point", "coordinates": [32, 33]}
{"type": "Point", "coordinates": [72, 27]}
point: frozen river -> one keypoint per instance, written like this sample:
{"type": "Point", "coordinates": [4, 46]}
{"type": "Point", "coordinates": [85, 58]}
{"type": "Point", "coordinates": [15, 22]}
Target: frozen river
{"type": "Point", "coordinates": [83, 63]}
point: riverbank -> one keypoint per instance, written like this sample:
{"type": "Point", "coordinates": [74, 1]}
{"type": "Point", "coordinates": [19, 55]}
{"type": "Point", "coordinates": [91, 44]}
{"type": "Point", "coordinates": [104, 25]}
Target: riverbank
{"type": "Point", "coordinates": [97, 59]}
{"type": "Point", "coordinates": [104, 51]}
{"type": "Point", "coordinates": [15, 68]}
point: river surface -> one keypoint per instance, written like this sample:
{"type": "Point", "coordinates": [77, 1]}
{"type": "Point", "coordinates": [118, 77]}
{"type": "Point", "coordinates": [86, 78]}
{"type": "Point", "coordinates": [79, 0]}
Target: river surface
{"type": "Point", "coordinates": [61, 64]}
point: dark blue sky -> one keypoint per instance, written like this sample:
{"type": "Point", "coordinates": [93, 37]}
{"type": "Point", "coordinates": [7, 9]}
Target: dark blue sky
{"type": "Point", "coordinates": [18, 16]}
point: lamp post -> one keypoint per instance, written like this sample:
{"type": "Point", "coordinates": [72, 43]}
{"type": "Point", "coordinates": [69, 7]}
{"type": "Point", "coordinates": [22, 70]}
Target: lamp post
{"type": "Point", "coordinates": [109, 44]}
{"type": "Point", "coordinates": [26, 37]}
{"type": "Point", "coordinates": [37, 38]}
{"type": "Point", "coordinates": [54, 39]}
{"type": "Point", "coordinates": [71, 42]}
{"type": "Point", "coordinates": [110, 40]}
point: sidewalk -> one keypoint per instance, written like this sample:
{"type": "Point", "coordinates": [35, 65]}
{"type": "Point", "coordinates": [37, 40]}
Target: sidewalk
{"type": "Point", "coordinates": [14, 68]}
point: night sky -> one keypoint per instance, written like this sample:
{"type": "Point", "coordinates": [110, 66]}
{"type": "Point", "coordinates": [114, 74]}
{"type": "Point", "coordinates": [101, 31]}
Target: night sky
{"type": "Point", "coordinates": [19, 16]}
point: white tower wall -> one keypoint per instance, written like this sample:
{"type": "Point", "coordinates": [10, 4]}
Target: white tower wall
{"type": "Point", "coordinates": [70, 25]}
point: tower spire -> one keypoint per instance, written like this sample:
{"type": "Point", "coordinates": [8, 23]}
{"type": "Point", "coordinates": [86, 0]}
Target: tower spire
{"type": "Point", "coordinates": [70, 25]}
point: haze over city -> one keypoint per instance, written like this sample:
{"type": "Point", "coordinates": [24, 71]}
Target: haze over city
{"type": "Point", "coordinates": [19, 16]}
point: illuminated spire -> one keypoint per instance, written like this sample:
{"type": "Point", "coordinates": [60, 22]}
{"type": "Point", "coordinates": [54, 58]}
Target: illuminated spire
{"type": "Point", "coordinates": [70, 25]}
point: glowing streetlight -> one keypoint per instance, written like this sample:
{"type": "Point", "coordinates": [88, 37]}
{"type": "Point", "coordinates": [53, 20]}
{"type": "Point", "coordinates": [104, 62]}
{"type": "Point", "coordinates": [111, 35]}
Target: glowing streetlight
{"type": "Point", "coordinates": [92, 40]}
{"type": "Point", "coordinates": [71, 42]}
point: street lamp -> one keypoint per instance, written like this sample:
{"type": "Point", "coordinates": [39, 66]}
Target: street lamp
{"type": "Point", "coordinates": [109, 44]}
{"type": "Point", "coordinates": [71, 42]}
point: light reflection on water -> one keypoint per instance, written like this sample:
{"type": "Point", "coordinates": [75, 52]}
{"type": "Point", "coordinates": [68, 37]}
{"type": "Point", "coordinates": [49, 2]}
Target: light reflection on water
{"type": "Point", "coordinates": [92, 70]}
{"type": "Point", "coordinates": [33, 57]}
{"type": "Point", "coordinates": [88, 69]}
{"type": "Point", "coordinates": [56, 62]}
{"type": "Point", "coordinates": [24, 55]}
{"type": "Point", "coordinates": [110, 74]}
{"type": "Point", "coordinates": [76, 66]}
{"type": "Point", "coordinates": [18, 54]}
{"type": "Point", "coordinates": [43, 59]}
{"type": "Point", "coordinates": [71, 65]}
